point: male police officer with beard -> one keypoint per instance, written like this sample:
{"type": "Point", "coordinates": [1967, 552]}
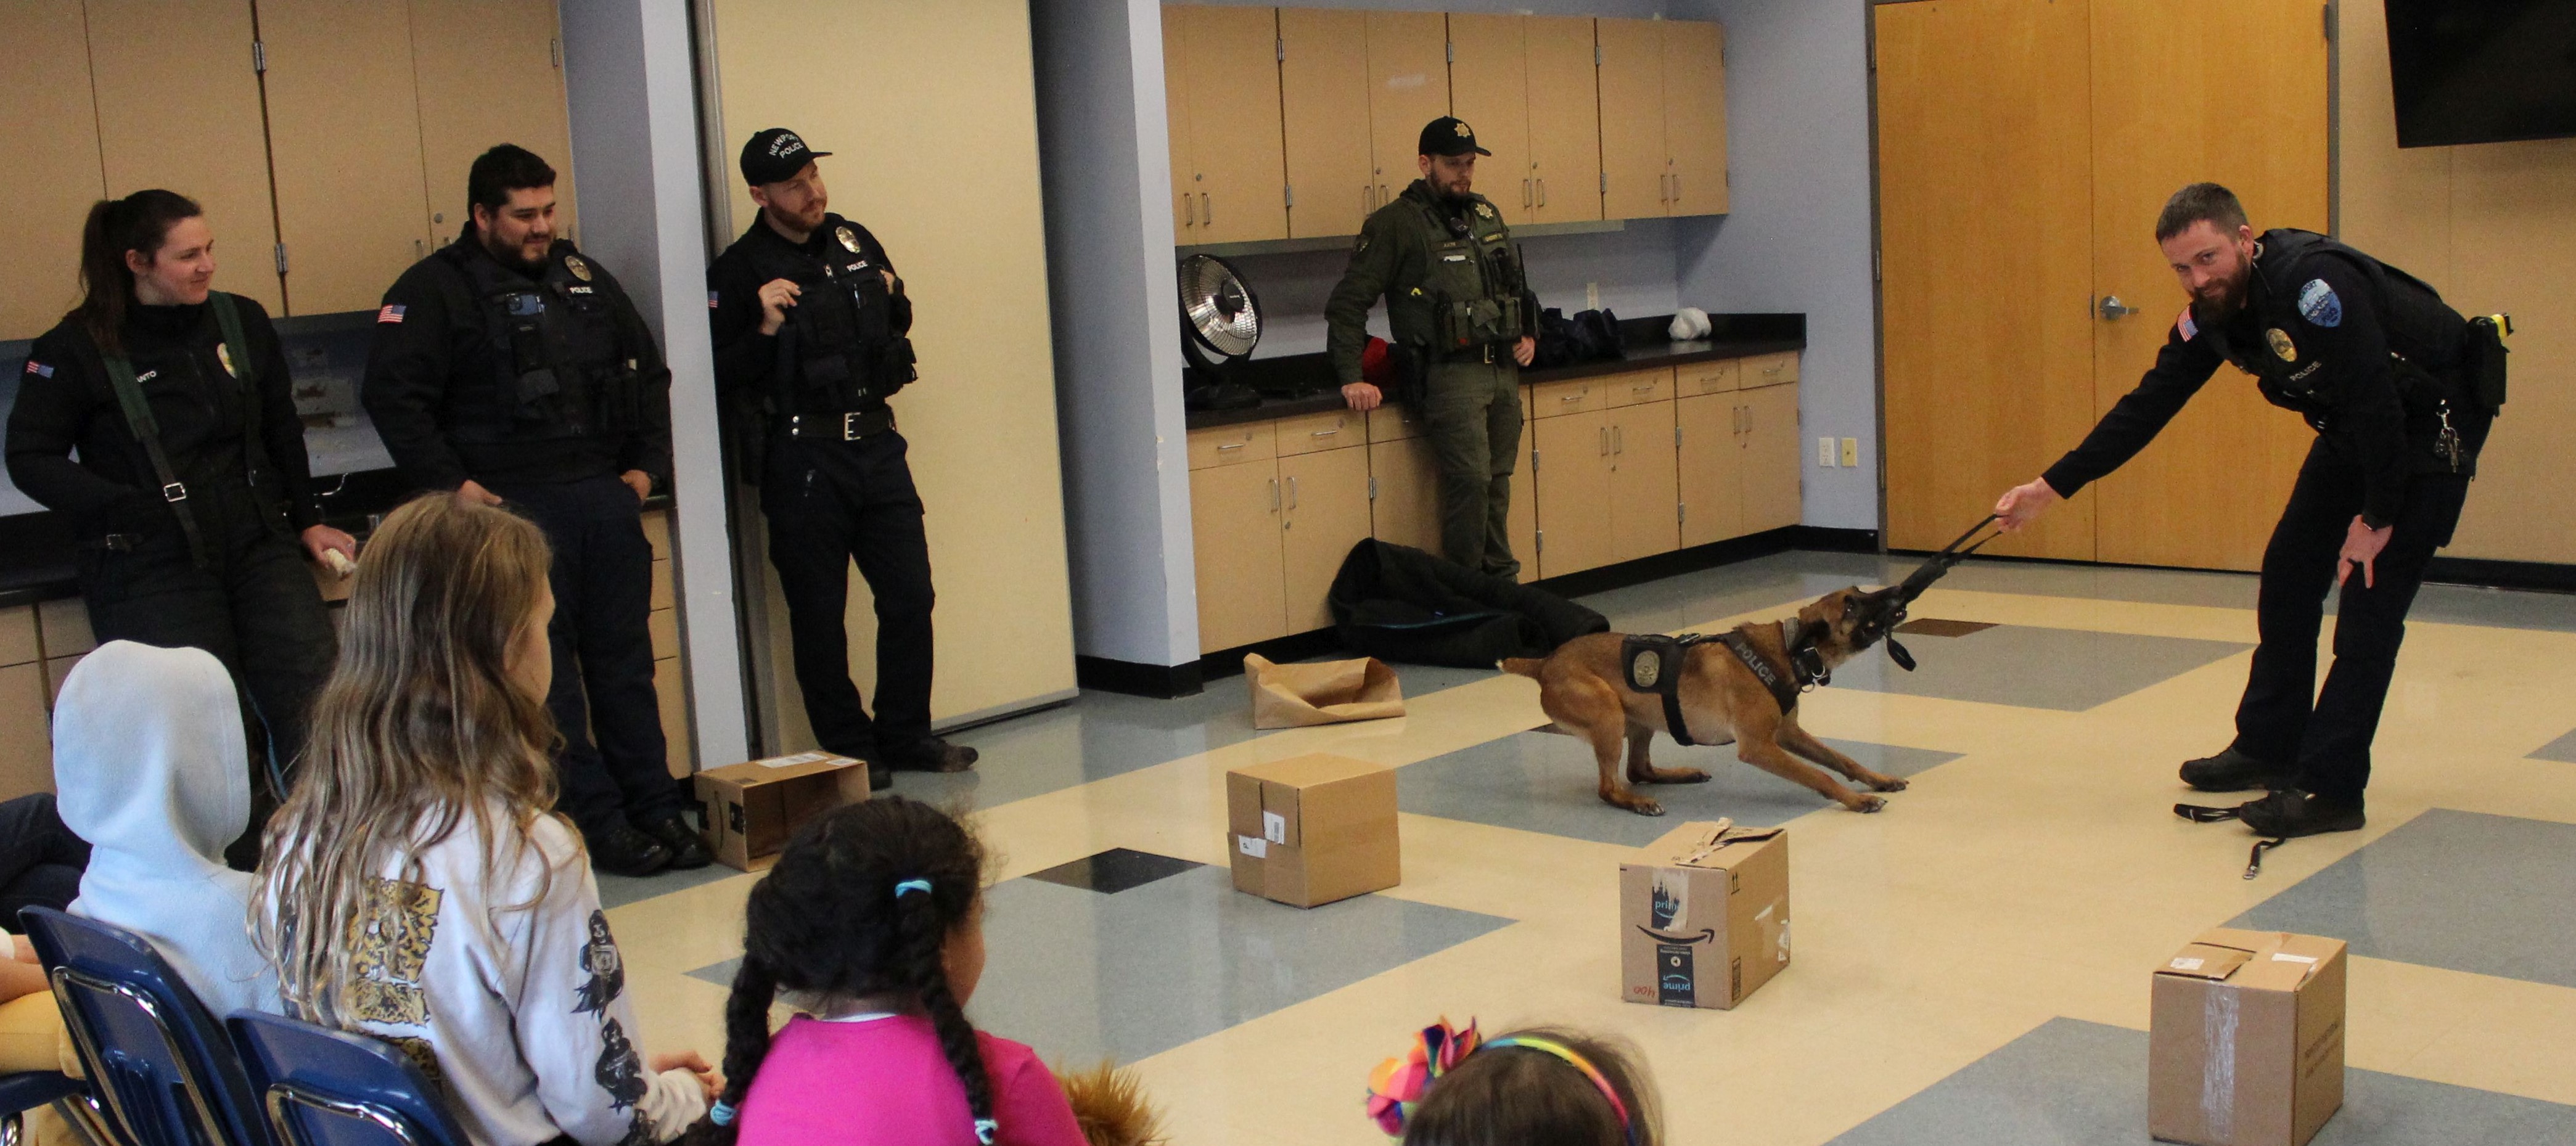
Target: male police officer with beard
{"type": "Point", "coordinates": [1461, 320]}
{"type": "Point", "coordinates": [2401, 391]}
{"type": "Point", "coordinates": [512, 369]}
{"type": "Point", "coordinates": [809, 325]}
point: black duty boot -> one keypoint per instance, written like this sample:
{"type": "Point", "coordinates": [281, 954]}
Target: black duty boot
{"type": "Point", "coordinates": [688, 850]}
{"type": "Point", "coordinates": [2289, 812]}
{"type": "Point", "coordinates": [2234, 771]}
{"type": "Point", "coordinates": [937, 755]}
{"type": "Point", "coordinates": [621, 850]}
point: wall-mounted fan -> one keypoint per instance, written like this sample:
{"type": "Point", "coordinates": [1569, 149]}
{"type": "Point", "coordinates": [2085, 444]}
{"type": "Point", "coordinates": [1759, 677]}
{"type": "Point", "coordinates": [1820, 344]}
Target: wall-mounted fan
{"type": "Point", "coordinates": [1220, 324]}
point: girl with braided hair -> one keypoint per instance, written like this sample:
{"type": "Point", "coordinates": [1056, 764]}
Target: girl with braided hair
{"type": "Point", "coordinates": [871, 927]}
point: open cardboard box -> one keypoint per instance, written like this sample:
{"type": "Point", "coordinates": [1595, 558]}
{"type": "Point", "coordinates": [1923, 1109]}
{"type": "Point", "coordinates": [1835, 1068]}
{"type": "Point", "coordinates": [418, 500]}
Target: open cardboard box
{"type": "Point", "coordinates": [1704, 915]}
{"type": "Point", "coordinates": [753, 807]}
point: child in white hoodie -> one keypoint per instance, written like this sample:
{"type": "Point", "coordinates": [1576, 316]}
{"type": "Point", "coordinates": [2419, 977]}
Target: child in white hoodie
{"type": "Point", "coordinates": [418, 885]}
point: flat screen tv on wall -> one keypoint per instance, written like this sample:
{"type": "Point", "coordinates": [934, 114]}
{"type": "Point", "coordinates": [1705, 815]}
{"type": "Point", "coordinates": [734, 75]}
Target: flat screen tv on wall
{"type": "Point", "coordinates": [2482, 71]}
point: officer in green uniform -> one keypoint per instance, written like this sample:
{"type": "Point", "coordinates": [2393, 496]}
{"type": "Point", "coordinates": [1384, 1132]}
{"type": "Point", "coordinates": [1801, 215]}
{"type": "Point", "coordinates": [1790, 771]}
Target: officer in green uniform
{"type": "Point", "coordinates": [1462, 322]}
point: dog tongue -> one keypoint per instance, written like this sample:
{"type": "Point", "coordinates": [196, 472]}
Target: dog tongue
{"type": "Point", "coordinates": [1897, 653]}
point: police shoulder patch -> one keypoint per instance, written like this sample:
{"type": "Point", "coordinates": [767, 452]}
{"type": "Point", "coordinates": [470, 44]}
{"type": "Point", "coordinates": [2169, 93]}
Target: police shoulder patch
{"type": "Point", "coordinates": [2318, 304]}
{"type": "Point", "coordinates": [2185, 326]}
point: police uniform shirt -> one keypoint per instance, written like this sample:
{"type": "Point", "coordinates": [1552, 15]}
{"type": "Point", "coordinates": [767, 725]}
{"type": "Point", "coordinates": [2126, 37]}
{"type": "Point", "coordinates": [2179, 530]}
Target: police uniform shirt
{"type": "Point", "coordinates": [1393, 256]}
{"type": "Point", "coordinates": [2326, 338]}
{"type": "Point", "coordinates": [66, 402]}
{"type": "Point", "coordinates": [745, 356]}
{"type": "Point", "coordinates": [430, 369]}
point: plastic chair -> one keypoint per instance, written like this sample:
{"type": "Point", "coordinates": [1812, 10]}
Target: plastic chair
{"type": "Point", "coordinates": [324, 1087]}
{"type": "Point", "coordinates": [160, 1063]}
{"type": "Point", "coordinates": [27, 1090]}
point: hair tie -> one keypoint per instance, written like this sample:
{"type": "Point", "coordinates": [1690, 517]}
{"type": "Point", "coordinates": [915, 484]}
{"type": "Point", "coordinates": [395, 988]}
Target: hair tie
{"type": "Point", "coordinates": [1560, 1050]}
{"type": "Point", "coordinates": [985, 1128]}
{"type": "Point", "coordinates": [721, 1114]}
{"type": "Point", "coordinates": [910, 886]}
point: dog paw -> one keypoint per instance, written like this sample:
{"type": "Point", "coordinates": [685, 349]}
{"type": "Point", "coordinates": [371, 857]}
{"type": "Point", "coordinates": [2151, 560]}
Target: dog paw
{"type": "Point", "coordinates": [1867, 804]}
{"type": "Point", "coordinates": [1888, 784]}
{"type": "Point", "coordinates": [1671, 776]}
{"type": "Point", "coordinates": [1645, 807]}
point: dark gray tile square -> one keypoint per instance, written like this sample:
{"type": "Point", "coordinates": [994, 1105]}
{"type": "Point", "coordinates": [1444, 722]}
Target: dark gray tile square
{"type": "Point", "coordinates": [1543, 782]}
{"type": "Point", "coordinates": [2459, 890]}
{"type": "Point", "coordinates": [2073, 1083]}
{"type": "Point", "coordinates": [2028, 666]}
{"type": "Point", "coordinates": [1937, 627]}
{"type": "Point", "coordinates": [1115, 870]}
{"type": "Point", "coordinates": [2562, 750]}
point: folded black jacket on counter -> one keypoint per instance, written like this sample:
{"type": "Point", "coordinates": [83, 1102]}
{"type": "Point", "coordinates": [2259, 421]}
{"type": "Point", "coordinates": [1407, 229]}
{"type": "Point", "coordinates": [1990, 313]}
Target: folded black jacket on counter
{"type": "Point", "coordinates": [1401, 604]}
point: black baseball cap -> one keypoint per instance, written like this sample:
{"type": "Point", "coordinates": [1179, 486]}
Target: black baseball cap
{"type": "Point", "coordinates": [1449, 135]}
{"type": "Point", "coordinates": [775, 155]}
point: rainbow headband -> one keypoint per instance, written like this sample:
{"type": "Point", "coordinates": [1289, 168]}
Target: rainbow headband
{"type": "Point", "coordinates": [1398, 1085]}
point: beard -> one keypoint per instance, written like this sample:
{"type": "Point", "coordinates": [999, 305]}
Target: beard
{"type": "Point", "coordinates": [507, 254]}
{"type": "Point", "coordinates": [2230, 300]}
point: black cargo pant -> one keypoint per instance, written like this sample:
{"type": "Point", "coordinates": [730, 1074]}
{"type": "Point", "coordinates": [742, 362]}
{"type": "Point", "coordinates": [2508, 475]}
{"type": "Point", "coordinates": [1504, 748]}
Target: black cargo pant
{"type": "Point", "coordinates": [614, 766]}
{"type": "Point", "coordinates": [2285, 719]}
{"type": "Point", "coordinates": [40, 859]}
{"type": "Point", "coordinates": [253, 605]}
{"type": "Point", "coordinates": [830, 503]}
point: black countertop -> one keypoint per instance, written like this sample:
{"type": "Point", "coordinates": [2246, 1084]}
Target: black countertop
{"type": "Point", "coordinates": [1303, 383]}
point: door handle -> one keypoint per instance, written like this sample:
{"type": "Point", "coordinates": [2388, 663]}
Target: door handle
{"type": "Point", "coordinates": [1677, 187]}
{"type": "Point", "coordinates": [1207, 214]}
{"type": "Point", "coordinates": [1292, 493]}
{"type": "Point", "coordinates": [1542, 191]}
{"type": "Point", "coordinates": [1525, 192]}
{"type": "Point", "coordinates": [2112, 310]}
{"type": "Point", "coordinates": [1618, 439]}
{"type": "Point", "coordinates": [1605, 441]}
{"type": "Point", "coordinates": [1274, 495]}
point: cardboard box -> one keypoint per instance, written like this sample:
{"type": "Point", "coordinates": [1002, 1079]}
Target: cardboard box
{"type": "Point", "coordinates": [1704, 915]}
{"type": "Point", "coordinates": [753, 807]}
{"type": "Point", "coordinates": [1313, 829]}
{"type": "Point", "coordinates": [2246, 1042]}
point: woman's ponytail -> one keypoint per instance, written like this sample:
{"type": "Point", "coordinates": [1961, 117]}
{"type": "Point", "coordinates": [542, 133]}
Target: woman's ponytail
{"type": "Point", "coordinates": [138, 222]}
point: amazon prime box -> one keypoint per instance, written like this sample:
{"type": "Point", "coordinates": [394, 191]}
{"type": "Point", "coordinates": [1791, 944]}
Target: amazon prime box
{"type": "Point", "coordinates": [1704, 915]}
{"type": "Point", "coordinates": [2245, 1046]}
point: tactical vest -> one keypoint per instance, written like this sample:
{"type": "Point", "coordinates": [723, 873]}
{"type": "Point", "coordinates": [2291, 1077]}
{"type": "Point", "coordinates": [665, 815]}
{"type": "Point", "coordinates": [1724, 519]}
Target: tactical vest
{"type": "Point", "coordinates": [1472, 293]}
{"type": "Point", "coordinates": [559, 369]}
{"type": "Point", "coordinates": [2421, 330]}
{"type": "Point", "coordinates": [843, 348]}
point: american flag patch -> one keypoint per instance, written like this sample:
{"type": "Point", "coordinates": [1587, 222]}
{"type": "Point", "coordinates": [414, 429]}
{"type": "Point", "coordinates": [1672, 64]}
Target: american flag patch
{"type": "Point", "coordinates": [711, 300]}
{"type": "Point", "coordinates": [39, 369]}
{"type": "Point", "coordinates": [390, 314]}
{"type": "Point", "coordinates": [2189, 329]}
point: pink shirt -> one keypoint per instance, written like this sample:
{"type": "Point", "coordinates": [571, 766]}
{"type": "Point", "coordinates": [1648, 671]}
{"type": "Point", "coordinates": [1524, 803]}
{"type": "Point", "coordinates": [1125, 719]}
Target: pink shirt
{"type": "Point", "coordinates": [884, 1082]}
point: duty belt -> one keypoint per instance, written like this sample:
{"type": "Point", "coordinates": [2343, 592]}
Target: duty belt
{"type": "Point", "coordinates": [846, 427]}
{"type": "Point", "coordinates": [1488, 354]}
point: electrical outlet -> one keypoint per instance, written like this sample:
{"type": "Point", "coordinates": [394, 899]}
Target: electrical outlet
{"type": "Point", "coordinates": [1592, 296]}
{"type": "Point", "coordinates": [1825, 452]}
{"type": "Point", "coordinates": [1851, 451]}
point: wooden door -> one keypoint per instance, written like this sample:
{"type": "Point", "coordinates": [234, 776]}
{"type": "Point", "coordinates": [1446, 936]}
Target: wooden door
{"type": "Point", "coordinates": [1323, 89]}
{"type": "Point", "coordinates": [1709, 467]}
{"type": "Point", "coordinates": [1645, 484]}
{"type": "Point", "coordinates": [1234, 526]}
{"type": "Point", "coordinates": [179, 108]}
{"type": "Point", "coordinates": [1564, 119]}
{"type": "Point", "coordinates": [2165, 114]}
{"type": "Point", "coordinates": [1632, 118]}
{"type": "Point", "coordinates": [52, 176]}
{"type": "Point", "coordinates": [1176, 112]}
{"type": "Point", "coordinates": [1573, 462]}
{"type": "Point", "coordinates": [491, 72]}
{"type": "Point", "coordinates": [1404, 498]}
{"type": "Point", "coordinates": [1238, 171]}
{"type": "Point", "coordinates": [1408, 88]}
{"type": "Point", "coordinates": [1695, 116]}
{"type": "Point", "coordinates": [1988, 372]}
{"type": "Point", "coordinates": [1326, 513]}
{"type": "Point", "coordinates": [1522, 521]}
{"type": "Point", "coordinates": [1489, 88]}
{"type": "Point", "coordinates": [345, 147]}
{"type": "Point", "coordinates": [1771, 458]}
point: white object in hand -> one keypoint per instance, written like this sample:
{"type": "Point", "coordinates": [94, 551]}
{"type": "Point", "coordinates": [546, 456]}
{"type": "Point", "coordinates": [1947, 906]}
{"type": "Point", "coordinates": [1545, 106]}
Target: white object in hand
{"type": "Point", "coordinates": [339, 563]}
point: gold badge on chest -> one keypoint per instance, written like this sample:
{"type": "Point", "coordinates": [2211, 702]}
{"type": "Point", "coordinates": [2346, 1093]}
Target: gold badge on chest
{"type": "Point", "coordinates": [2282, 347]}
{"type": "Point", "coordinates": [579, 269]}
{"type": "Point", "coordinates": [224, 354]}
{"type": "Point", "coordinates": [849, 239]}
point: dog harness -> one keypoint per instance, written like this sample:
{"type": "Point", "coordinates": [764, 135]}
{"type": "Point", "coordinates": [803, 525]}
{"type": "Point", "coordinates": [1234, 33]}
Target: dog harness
{"type": "Point", "coordinates": [1653, 663]}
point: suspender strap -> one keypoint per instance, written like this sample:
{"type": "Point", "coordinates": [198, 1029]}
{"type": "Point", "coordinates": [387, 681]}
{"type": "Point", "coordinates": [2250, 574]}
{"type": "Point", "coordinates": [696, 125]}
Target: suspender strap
{"type": "Point", "coordinates": [139, 420]}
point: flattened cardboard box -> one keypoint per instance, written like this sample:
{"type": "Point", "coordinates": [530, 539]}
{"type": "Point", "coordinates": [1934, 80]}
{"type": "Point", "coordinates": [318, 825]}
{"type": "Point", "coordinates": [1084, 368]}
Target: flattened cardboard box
{"type": "Point", "coordinates": [753, 807]}
{"type": "Point", "coordinates": [2245, 1046]}
{"type": "Point", "coordinates": [1313, 829]}
{"type": "Point", "coordinates": [1704, 916]}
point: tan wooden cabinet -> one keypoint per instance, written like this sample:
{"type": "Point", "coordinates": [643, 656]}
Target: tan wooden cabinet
{"type": "Point", "coordinates": [489, 71]}
{"type": "Point", "coordinates": [1489, 88]}
{"type": "Point", "coordinates": [1408, 54]}
{"type": "Point", "coordinates": [1236, 181]}
{"type": "Point", "coordinates": [1404, 493]}
{"type": "Point", "coordinates": [1324, 97]}
{"type": "Point", "coordinates": [1325, 511]}
{"type": "Point", "coordinates": [1644, 482]}
{"type": "Point", "coordinates": [1771, 458]}
{"type": "Point", "coordinates": [1523, 519]}
{"type": "Point", "coordinates": [1710, 467]}
{"type": "Point", "coordinates": [1564, 119]}
{"type": "Point", "coordinates": [670, 678]}
{"type": "Point", "coordinates": [1572, 463]}
{"type": "Point", "coordinates": [1663, 118]}
{"type": "Point", "coordinates": [344, 146]}
{"type": "Point", "coordinates": [50, 135]}
{"type": "Point", "coordinates": [1176, 114]}
{"type": "Point", "coordinates": [1234, 520]}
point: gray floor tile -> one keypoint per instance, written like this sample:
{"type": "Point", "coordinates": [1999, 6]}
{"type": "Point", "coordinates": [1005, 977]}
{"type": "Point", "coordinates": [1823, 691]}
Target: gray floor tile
{"type": "Point", "coordinates": [2082, 669]}
{"type": "Point", "coordinates": [1148, 969]}
{"type": "Point", "coordinates": [2073, 1083]}
{"type": "Point", "coordinates": [1542, 782]}
{"type": "Point", "coordinates": [2407, 897]}
{"type": "Point", "coordinates": [2562, 750]}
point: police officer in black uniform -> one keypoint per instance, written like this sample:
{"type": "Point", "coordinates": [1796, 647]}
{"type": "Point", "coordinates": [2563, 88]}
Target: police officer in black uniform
{"type": "Point", "coordinates": [511, 368]}
{"type": "Point", "coordinates": [2401, 391]}
{"type": "Point", "coordinates": [809, 325]}
{"type": "Point", "coordinates": [195, 507]}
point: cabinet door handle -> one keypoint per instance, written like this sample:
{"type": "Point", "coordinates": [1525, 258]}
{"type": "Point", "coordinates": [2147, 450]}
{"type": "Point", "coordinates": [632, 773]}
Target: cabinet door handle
{"type": "Point", "coordinates": [1321, 434]}
{"type": "Point", "coordinates": [1292, 493]}
{"type": "Point", "coordinates": [1525, 192]}
{"type": "Point", "coordinates": [1235, 446]}
{"type": "Point", "coordinates": [1618, 439]}
{"type": "Point", "coordinates": [1571, 398]}
{"type": "Point", "coordinates": [1542, 191]}
{"type": "Point", "coordinates": [1677, 187]}
{"type": "Point", "coordinates": [1605, 441]}
{"type": "Point", "coordinates": [1207, 214]}
{"type": "Point", "coordinates": [1189, 211]}
{"type": "Point", "coordinates": [1274, 495]}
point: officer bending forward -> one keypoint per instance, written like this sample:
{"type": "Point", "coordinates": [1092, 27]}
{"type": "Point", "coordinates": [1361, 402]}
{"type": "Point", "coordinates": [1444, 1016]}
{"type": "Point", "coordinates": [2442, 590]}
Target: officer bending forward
{"type": "Point", "coordinates": [2382, 369]}
{"type": "Point", "coordinates": [809, 337]}
{"type": "Point", "coordinates": [512, 369]}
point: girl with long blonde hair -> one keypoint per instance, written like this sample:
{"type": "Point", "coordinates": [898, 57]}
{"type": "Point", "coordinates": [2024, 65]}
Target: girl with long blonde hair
{"type": "Point", "coordinates": [419, 886]}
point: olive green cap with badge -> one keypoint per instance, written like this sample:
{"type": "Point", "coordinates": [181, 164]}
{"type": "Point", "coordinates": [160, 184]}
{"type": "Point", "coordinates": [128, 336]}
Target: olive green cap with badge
{"type": "Point", "coordinates": [1450, 135]}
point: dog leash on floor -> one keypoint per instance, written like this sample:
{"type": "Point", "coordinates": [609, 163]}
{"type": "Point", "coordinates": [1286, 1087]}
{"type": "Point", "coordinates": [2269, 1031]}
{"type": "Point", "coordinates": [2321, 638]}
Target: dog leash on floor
{"type": "Point", "coordinates": [2204, 814]}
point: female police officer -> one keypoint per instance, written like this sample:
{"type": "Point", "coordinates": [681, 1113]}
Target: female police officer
{"type": "Point", "coordinates": [192, 497]}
